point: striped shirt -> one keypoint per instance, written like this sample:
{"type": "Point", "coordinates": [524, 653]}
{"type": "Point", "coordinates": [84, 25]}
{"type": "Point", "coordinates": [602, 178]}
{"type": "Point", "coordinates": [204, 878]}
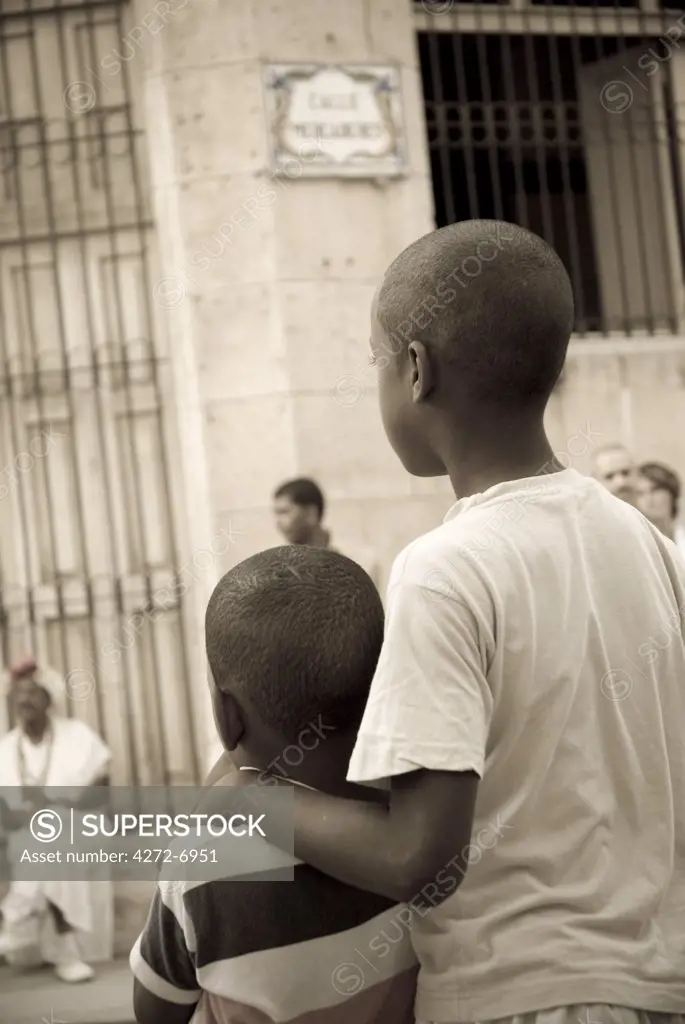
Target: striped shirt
{"type": "Point", "coordinates": [261, 950]}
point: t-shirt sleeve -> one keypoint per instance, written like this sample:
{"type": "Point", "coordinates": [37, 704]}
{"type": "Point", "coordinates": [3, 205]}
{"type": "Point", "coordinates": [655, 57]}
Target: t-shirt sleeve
{"type": "Point", "coordinates": [430, 702]}
{"type": "Point", "coordinates": [162, 960]}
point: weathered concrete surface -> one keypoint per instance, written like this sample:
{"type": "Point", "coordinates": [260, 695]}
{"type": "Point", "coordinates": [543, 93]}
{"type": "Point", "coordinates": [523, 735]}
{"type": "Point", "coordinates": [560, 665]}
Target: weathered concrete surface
{"type": "Point", "coordinates": [37, 997]}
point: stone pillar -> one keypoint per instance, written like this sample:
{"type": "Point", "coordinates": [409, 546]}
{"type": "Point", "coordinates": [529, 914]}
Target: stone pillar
{"type": "Point", "coordinates": [268, 302]}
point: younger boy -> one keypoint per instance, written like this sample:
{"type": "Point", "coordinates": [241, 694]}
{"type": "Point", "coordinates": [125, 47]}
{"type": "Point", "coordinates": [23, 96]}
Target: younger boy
{"type": "Point", "coordinates": [293, 636]}
{"type": "Point", "coordinates": [528, 743]}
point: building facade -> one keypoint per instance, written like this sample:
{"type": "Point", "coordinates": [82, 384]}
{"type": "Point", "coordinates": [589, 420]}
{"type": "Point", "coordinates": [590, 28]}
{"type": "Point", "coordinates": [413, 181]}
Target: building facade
{"type": "Point", "coordinates": [173, 344]}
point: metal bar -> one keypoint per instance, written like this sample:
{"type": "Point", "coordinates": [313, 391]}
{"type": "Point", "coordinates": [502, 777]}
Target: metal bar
{"type": "Point", "coordinates": [664, 98]}
{"type": "Point", "coordinates": [23, 541]}
{"type": "Point", "coordinates": [561, 104]}
{"type": "Point", "coordinates": [676, 166]}
{"type": "Point", "coordinates": [532, 77]}
{"type": "Point", "coordinates": [589, 315]}
{"type": "Point", "coordinates": [76, 433]}
{"type": "Point", "coordinates": [21, 218]}
{"type": "Point", "coordinates": [70, 5]}
{"type": "Point", "coordinates": [100, 417]}
{"type": "Point", "coordinates": [446, 191]}
{"type": "Point", "coordinates": [466, 130]}
{"type": "Point", "coordinates": [490, 112]}
{"type": "Point", "coordinates": [639, 218]}
{"type": "Point", "coordinates": [493, 20]}
{"type": "Point", "coordinates": [91, 232]}
{"type": "Point", "coordinates": [95, 367]}
{"type": "Point", "coordinates": [513, 118]}
{"type": "Point", "coordinates": [600, 53]}
{"type": "Point", "coordinates": [13, 124]}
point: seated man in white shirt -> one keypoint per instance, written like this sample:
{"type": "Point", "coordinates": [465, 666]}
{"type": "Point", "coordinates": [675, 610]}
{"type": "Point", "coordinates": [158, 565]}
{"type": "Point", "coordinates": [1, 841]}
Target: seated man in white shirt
{"type": "Point", "coordinates": [66, 923]}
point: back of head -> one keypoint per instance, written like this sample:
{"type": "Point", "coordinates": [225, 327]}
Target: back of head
{"type": "Point", "coordinates": [492, 299]}
{"type": "Point", "coordinates": [302, 491]}
{"type": "Point", "coordinates": [295, 632]}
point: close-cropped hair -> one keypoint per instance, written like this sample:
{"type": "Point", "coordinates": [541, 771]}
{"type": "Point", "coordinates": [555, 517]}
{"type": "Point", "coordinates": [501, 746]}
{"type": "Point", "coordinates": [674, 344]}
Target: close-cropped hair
{"type": "Point", "coordinates": [296, 632]}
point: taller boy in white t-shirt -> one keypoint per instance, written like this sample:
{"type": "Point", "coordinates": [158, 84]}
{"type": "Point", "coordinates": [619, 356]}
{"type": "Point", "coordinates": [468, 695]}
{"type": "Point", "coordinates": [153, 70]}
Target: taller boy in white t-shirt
{"type": "Point", "coordinates": [529, 703]}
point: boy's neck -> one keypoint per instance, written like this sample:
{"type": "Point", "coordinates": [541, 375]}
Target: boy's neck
{"type": "Point", "coordinates": [498, 454]}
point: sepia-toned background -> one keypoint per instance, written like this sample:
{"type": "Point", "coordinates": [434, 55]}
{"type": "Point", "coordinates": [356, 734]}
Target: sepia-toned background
{"type": "Point", "coordinates": [173, 345]}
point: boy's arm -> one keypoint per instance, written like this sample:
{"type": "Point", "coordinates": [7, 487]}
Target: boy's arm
{"type": "Point", "coordinates": [396, 851]}
{"type": "Point", "coordinates": [425, 727]}
{"type": "Point", "coordinates": [165, 986]}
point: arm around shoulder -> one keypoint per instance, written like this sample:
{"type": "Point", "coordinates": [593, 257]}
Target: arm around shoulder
{"type": "Point", "coordinates": [393, 851]}
{"type": "Point", "coordinates": [425, 727]}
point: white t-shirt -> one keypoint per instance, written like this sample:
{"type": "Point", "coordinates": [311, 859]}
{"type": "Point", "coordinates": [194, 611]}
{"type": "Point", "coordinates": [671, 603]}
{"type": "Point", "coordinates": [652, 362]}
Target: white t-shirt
{"type": "Point", "coordinates": [535, 638]}
{"type": "Point", "coordinates": [36, 757]}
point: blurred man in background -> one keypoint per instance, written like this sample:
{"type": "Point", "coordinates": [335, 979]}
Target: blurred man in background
{"type": "Point", "coordinates": [659, 496]}
{"type": "Point", "coordinates": [66, 923]}
{"type": "Point", "coordinates": [616, 468]}
{"type": "Point", "coordinates": [299, 508]}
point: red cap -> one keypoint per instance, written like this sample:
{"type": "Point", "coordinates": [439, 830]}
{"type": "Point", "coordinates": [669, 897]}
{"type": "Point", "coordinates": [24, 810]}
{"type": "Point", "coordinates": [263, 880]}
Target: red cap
{"type": "Point", "coordinates": [22, 668]}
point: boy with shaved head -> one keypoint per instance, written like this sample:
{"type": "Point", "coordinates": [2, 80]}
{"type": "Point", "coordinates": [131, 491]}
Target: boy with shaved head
{"type": "Point", "coordinates": [529, 753]}
{"type": "Point", "coordinates": [293, 637]}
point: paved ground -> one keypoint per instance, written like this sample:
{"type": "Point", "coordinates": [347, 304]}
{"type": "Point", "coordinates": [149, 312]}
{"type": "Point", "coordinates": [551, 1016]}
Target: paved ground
{"type": "Point", "coordinates": [36, 997]}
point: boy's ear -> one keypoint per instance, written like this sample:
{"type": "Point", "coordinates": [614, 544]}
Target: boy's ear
{"type": "Point", "coordinates": [229, 718]}
{"type": "Point", "coordinates": [422, 372]}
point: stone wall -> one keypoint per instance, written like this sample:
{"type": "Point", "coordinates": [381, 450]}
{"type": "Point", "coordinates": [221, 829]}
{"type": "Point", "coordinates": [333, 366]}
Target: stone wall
{"type": "Point", "coordinates": [271, 334]}
{"type": "Point", "coordinates": [274, 327]}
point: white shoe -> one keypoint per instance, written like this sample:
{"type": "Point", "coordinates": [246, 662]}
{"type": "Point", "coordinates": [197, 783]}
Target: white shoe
{"type": "Point", "coordinates": [69, 966]}
{"type": "Point", "coordinates": [74, 972]}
